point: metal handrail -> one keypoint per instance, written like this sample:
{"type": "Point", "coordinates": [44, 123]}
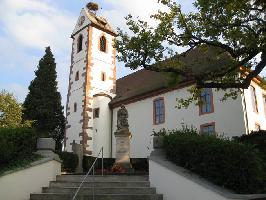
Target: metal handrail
{"type": "Point", "coordinates": [92, 167]}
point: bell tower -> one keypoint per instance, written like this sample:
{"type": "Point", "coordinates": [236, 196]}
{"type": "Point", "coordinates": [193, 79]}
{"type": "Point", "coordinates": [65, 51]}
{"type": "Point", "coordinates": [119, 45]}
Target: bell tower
{"type": "Point", "coordinates": [92, 82]}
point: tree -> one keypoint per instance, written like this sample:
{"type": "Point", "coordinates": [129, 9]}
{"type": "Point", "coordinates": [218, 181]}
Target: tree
{"type": "Point", "coordinates": [43, 102]}
{"type": "Point", "coordinates": [220, 37]}
{"type": "Point", "coordinates": [10, 110]}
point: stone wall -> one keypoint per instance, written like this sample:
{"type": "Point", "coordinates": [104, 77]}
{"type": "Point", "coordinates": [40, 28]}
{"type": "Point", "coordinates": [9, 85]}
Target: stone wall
{"type": "Point", "coordinates": [178, 183]}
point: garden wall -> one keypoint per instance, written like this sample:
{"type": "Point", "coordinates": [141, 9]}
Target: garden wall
{"type": "Point", "coordinates": [19, 184]}
{"type": "Point", "coordinates": [178, 183]}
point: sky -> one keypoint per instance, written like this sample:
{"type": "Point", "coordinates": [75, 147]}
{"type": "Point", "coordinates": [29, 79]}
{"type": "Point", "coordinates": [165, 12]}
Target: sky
{"type": "Point", "coordinates": [28, 26]}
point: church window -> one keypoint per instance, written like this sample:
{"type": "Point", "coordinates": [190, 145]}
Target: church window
{"type": "Point", "coordinates": [206, 101]}
{"type": "Point", "coordinates": [77, 76]}
{"type": "Point", "coordinates": [254, 99]}
{"type": "Point", "coordinates": [103, 44]}
{"type": "Point", "coordinates": [79, 43]}
{"type": "Point", "coordinates": [96, 113]}
{"type": "Point", "coordinates": [75, 107]}
{"type": "Point", "coordinates": [103, 76]}
{"type": "Point", "coordinates": [207, 129]}
{"type": "Point", "coordinates": [158, 111]}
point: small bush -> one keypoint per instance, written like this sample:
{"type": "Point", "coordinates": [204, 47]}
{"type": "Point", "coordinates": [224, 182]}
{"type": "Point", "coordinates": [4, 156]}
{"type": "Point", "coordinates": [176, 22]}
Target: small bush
{"type": "Point", "coordinates": [227, 163]}
{"type": "Point", "coordinates": [88, 161]}
{"type": "Point", "coordinates": [70, 161]}
{"type": "Point", "coordinates": [16, 144]}
{"type": "Point", "coordinates": [257, 138]}
{"type": "Point", "coordinates": [140, 164]}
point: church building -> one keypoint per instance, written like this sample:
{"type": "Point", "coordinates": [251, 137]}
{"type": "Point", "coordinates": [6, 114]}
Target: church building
{"type": "Point", "coordinates": [95, 95]}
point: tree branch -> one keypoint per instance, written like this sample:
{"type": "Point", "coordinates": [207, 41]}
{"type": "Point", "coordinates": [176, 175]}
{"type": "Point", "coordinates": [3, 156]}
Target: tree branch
{"type": "Point", "coordinates": [244, 85]}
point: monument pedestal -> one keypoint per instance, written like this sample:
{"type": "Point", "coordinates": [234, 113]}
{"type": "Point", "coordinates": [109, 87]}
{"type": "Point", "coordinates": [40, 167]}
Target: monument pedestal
{"type": "Point", "coordinates": [78, 150]}
{"type": "Point", "coordinates": [123, 149]}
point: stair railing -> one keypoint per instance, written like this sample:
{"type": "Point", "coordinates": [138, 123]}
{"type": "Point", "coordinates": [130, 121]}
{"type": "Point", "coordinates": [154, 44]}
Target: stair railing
{"type": "Point", "coordinates": [93, 171]}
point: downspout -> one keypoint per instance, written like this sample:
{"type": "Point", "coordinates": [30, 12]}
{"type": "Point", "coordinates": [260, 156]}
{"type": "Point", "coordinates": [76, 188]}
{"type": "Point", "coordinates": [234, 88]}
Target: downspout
{"type": "Point", "coordinates": [111, 133]}
{"type": "Point", "coordinates": [245, 112]}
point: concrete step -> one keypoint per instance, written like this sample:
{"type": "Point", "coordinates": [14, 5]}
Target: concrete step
{"type": "Point", "coordinates": [56, 196]}
{"type": "Point", "coordinates": [89, 190]}
{"type": "Point", "coordinates": [102, 178]}
{"type": "Point", "coordinates": [101, 184]}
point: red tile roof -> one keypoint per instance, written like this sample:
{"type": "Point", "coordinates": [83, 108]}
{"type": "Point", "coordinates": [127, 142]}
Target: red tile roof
{"type": "Point", "coordinates": [140, 84]}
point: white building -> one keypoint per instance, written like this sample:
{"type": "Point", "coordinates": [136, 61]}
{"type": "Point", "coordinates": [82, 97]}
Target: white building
{"type": "Point", "coordinates": [94, 97]}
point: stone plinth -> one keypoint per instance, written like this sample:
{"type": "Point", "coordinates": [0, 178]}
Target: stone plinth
{"type": "Point", "coordinates": [46, 148]}
{"type": "Point", "coordinates": [78, 150]}
{"type": "Point", "coordinates": [46, 144]}
{"type": "Point", "coordinates": [123, 148]}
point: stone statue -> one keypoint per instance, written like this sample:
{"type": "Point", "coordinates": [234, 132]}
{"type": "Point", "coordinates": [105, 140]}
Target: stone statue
{"type": "Point", "coordinates": [123, 137]}
{"type": "Point", "coordinates": [122, 118]}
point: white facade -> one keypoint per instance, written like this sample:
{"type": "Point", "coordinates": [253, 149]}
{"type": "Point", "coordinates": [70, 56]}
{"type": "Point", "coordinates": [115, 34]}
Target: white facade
{"type": "Point", "coordinates": [92, 72]}
{"type": "Point", "coordinates": [228, 118]}
{"type": "Point", "coordinates": [90, 92]}
{"type": "Point", "coordinates": [253, 117]}
{"type": "Point", "coordinates": [102, 126]}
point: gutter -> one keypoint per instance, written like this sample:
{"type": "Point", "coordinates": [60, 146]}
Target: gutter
{"type": "Point", "coordinates": [245, 112]}
{"type": "Point", "coordinates": [111, 152]}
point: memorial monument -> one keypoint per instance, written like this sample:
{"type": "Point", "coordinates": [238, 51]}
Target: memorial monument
{"type": "Point", "coordinates": [123, 137]}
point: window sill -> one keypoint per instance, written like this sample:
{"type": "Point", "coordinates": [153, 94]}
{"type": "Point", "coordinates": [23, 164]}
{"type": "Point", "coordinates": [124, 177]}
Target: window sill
{"type": "Point", "coordinates": [158, 123]}
{"type": "Point", "coordinates": [206, 113]}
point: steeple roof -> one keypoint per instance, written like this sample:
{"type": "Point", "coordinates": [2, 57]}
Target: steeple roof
{"type": "Point", "coordinates": [99, 21]}
{"type": "Point", "coordinates": [90, 18]}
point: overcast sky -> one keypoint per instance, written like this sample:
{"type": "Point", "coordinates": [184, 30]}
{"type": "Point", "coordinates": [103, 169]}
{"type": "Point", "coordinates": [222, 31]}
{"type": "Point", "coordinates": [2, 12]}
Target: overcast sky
{"type": "Point", "coordinates": [28, 26]}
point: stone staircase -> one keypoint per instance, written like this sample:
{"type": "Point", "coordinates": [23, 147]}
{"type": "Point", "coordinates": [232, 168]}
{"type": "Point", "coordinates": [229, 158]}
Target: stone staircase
{"type": "Point", "coordinates": [107, 187]}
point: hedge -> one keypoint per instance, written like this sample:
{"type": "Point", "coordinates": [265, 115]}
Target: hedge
{"type": "Point", "coordinates": [70, 161]}
{"type": "Point", "coordinates": [230, 164]}
{"type": "Point", "coordinates": [16, 144]}
{"type": "Point", "coordinates": [257, 138]}
{"type": "Point", "coordinates": [88, 161]}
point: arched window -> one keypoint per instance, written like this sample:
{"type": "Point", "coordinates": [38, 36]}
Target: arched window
{"type": "Point", "coordinates": [79, 44]}
{"type": "Point", "coordinates": [103, 44]}
{"type": "Point", "coordinates": [75, 107]}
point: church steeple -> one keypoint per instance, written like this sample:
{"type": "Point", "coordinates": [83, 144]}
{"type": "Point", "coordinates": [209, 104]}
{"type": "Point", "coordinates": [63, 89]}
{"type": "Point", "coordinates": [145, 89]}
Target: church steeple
{"type": "Point", "coordinates": [92, 73]}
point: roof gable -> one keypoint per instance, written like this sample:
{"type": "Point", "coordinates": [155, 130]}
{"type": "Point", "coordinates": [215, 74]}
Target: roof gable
{"type": "Point", "coordinates": [82, 22]}
{"type": "Point", "coordinates": [87, 18]}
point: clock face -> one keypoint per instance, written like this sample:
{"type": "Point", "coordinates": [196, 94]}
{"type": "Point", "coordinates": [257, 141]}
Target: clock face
{"type": "Point", "coordinates": [81, 20]}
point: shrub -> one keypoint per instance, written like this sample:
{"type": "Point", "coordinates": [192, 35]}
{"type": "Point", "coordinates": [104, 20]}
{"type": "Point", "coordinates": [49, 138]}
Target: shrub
{"type": "Point", "coordinates": [16, 144]}
{"type": "Point", "coordinates": [70, 161]}
{"type": "Point", "coordinates": [227, 163]}
{"type": "Point", "coordinates": [257, 138]}
{"type": "Point", "coordinates": [88, 161]}
{"type": "Point", "coordinates": [140, 164]}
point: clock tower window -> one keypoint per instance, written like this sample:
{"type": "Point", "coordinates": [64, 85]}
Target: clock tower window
{"type": "Point", "coordinates": [79, 44]}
